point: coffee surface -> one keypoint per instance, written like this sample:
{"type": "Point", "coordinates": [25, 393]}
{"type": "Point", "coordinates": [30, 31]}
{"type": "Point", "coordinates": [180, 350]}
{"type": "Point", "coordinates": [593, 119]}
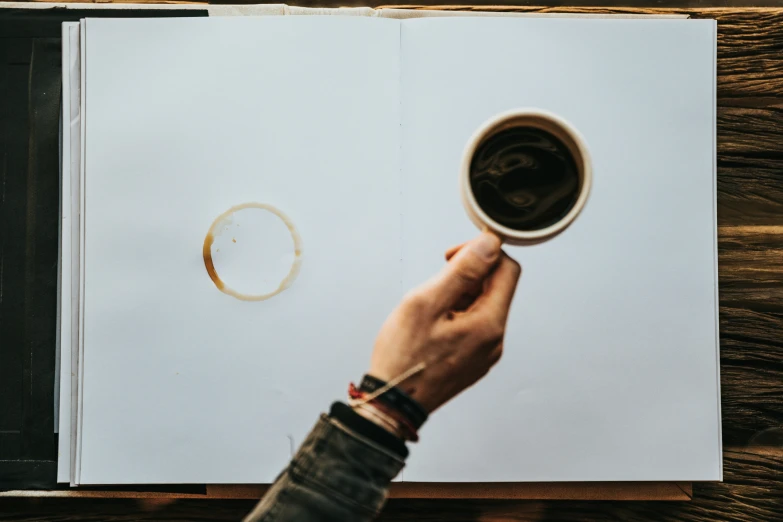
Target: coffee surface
{"type": "Point", "coordinates": [524, 178]}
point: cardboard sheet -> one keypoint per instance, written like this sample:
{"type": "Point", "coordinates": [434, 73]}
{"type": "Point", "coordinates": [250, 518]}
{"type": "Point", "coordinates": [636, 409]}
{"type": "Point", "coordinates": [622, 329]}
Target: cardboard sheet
{"type": "Point", "coordinates": [70, 258]}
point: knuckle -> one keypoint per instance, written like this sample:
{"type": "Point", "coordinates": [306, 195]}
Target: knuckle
{"type": "Point", "coordinates": [458, 332]}
{"type": "Point", "coordinates": [487, 330]}
{"type": "Point", "coordinates": [494, 330]}
{"type": "Point", "coordinates": [470, 275]}
{"type": "Point", "coordinates": [418, 302]}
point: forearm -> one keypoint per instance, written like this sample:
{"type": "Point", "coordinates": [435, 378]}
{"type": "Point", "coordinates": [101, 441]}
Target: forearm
{"type": "Point", "coordinates": [341, 473]}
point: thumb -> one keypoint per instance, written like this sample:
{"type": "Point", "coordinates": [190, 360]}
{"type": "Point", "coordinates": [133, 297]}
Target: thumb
{"type": "Point", "coordinates": [467, 269]}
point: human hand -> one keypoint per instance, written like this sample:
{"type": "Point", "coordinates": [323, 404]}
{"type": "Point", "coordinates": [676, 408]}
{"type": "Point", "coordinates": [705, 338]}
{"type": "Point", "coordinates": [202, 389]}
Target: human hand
{"type": "Point", "coordinates": [454, 324]}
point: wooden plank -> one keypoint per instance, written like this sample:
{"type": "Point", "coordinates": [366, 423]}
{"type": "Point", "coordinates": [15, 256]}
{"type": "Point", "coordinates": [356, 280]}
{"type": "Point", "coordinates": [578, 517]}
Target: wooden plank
{"type": "Point", "coordinates": [677, 491]}
{"type": "Point", "coordinates": [751, 492]}
{"type": "Point", "coordinates": [671, 491]}
{"type": "Point", "coordinates": [750, 262]}
{"type": "Point", "coordinates": [667, 491]}
{"type": "Point", "coordinates": [751, 326]}
{"type": "Point", "coordinates": [750, 131]}
{"type": "Point", "coordinates": [750, 188]}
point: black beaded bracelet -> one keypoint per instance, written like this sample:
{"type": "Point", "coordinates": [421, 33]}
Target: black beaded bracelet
{"type": "Point", "coordinates": [396, 399]}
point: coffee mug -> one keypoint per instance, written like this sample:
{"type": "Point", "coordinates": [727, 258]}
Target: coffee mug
{"type": "Point", "coordinates": [525, 175]}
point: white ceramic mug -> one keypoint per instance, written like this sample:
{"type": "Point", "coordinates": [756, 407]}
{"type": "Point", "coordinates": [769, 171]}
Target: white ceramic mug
{"type": "Point", "coordinates": [539, 119]}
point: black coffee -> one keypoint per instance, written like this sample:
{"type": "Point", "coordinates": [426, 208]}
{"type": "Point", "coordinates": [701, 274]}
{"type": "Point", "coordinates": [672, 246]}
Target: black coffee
{"type": "Point", "coordinates": [524, 178]}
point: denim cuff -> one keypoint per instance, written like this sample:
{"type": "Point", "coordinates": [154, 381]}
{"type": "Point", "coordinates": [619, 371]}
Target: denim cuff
{"type": "Point", "coordinates": [345, 465]}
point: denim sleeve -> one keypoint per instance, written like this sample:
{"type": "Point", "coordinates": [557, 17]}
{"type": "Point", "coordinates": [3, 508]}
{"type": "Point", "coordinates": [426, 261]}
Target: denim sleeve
{"type": "Point", "coordinates": [337, 475]}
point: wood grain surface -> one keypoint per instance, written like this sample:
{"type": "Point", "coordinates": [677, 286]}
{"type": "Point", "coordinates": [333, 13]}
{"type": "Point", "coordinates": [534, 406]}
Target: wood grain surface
{"type": "Point", "coordinates": [750, 216]}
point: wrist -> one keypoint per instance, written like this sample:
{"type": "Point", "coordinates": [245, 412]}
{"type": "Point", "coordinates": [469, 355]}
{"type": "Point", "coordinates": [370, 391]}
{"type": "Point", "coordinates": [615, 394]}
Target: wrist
{"type": "Point", "coordinates": [387, 407]}
{"type": "Point", "coordinates": [377, 417]}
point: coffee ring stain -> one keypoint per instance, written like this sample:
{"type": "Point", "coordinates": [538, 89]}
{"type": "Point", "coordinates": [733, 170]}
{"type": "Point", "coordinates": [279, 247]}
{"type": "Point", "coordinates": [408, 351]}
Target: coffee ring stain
{"type": "Point", "coordinates": [221, 223]}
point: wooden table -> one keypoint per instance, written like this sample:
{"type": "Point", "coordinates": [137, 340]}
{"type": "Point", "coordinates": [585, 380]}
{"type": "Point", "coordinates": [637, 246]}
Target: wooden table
{"type": "Point", "coordinates": [750, 218]}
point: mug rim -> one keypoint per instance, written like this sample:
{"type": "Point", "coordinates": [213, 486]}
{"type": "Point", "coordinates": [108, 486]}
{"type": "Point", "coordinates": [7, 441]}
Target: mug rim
{"type": "Point", "coordinates": [544, 120]}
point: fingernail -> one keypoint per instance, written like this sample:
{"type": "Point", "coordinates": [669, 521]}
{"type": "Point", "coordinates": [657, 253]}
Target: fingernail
{"type": "Point", "coordinates": [487, 246]}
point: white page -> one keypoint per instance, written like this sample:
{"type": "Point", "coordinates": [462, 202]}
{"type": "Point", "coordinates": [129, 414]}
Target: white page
{"type": "Point", "coordinates": [182, 383]}
{"type": "Point", "coordinates": [69, 327]}
{"type": "Point", "coordinates": [610, 364]}
{"type": "Point", "coordinates": [77, 246]}
{"type": "Point", "coordinates": [63, 400]}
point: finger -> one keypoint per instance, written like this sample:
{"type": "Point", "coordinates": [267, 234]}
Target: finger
{"type": "Point", "coordinates": [467, 270]}
{"type": "Point", "coordinates": [495, 302]}
{"type": "Point", "coordinates": [453, 250]}
{"type": "Point", "coordinates": [496, 354]}
{"type": "Point", "coordinates": [465, 301]}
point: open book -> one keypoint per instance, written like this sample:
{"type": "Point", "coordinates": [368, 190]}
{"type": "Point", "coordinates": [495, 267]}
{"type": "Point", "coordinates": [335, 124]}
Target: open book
{"type": "Point", "coordinates": [354, 128]}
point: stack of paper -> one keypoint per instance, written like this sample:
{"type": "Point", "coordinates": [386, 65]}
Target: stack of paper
{"type": "Point", "coordinates": [353, 127]}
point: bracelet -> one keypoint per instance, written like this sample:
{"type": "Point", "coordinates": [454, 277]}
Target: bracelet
{"type": "Point", "coordinates": [372, 414]}
{"type": "Point", "coordinates": [391, 420]}
{"type": "Point", "coordinates": [389, 406]}
{"type": "Point", "coordinates": [382, 414]}
{"type": "Point", "coordinates": [395, 399]}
